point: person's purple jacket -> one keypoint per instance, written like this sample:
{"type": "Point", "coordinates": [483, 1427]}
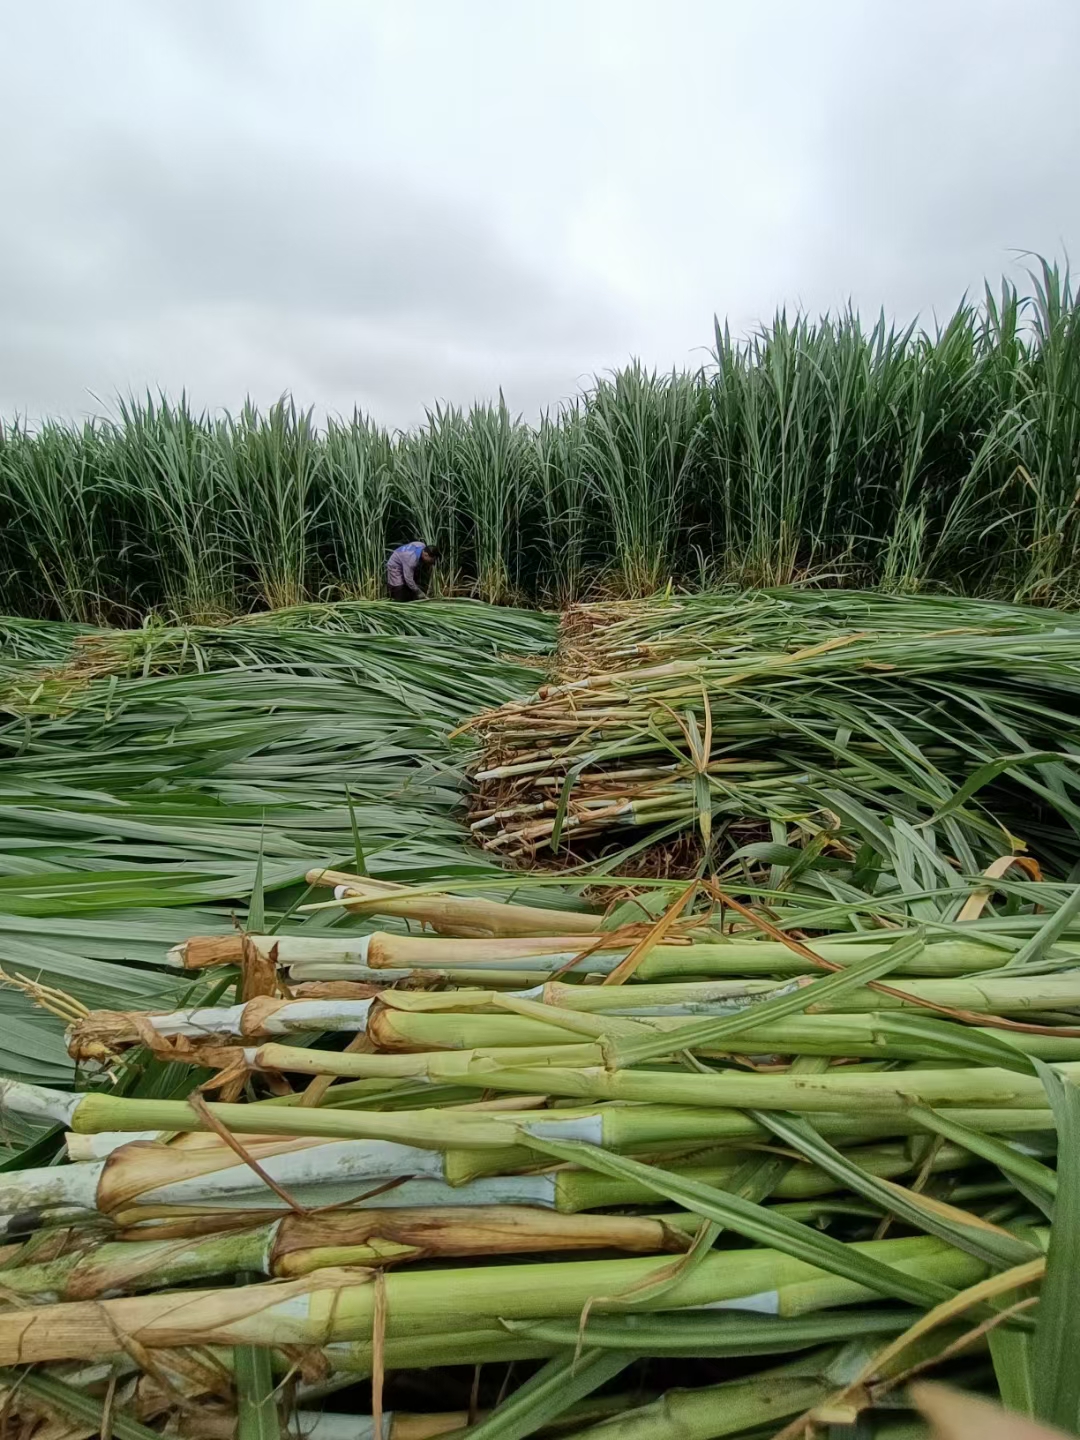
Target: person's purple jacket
{"type": "Point", "coordinates": [403, 565]}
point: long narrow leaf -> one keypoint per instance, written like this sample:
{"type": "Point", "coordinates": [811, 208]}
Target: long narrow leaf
{"type": "Point", "coordinates": [1040, 1182]}
{"type": "Point", "coordinates": [1056, 1362]}
{"type": "Point", "coordinates": [257, 1412]}
{"type": "Point", "coordinates": [995, 1247]}
{"type": "Point", "coordinates": [562, 1382]}
{"type": "Point", "coordinates": [86, 1409]}
{"type": "Point", "coordinates": [716, 1335]}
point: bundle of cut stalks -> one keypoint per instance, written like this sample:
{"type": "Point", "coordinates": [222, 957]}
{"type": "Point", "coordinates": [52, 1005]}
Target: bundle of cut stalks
{"type": "Point", "coordinates": [852, 720]}
{"type": "Point", "coordinates": [827, 1157]}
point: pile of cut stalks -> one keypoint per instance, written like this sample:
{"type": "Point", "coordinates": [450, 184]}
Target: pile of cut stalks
{"type": "Point", "coordinates": [851, 717]}
{"type": "Point", "coordinates": [689, 1165]}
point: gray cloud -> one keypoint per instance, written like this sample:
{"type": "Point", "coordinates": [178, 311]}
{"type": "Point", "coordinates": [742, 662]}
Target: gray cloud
{"type": "Point", "coordinates": [210, 228]}
{"type": "Point", "coordinates": [385, 204]}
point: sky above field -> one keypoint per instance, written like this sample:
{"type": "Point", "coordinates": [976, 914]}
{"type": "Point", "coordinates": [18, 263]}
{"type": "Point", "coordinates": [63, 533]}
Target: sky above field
{"type": "Point", "coordinates": [384, 204]}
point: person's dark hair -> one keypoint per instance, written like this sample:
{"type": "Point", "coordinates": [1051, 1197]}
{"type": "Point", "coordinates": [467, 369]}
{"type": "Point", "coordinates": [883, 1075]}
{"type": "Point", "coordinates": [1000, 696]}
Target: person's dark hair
{"type": "Point", "coordinates": [432, 552]}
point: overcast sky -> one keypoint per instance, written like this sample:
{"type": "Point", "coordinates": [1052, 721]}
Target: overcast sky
{"type": "Point", "coordinates": [386, 202]}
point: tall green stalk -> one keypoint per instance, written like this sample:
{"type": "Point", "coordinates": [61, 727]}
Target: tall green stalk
{"type": "Point", "coordinates": [358, 481]}
{"type": "Point", "coordinates": [168, 465]}
{"type": "Point", "coordinates": [640, 439]}
{"type": "Point", "coordinates": [272, 472]}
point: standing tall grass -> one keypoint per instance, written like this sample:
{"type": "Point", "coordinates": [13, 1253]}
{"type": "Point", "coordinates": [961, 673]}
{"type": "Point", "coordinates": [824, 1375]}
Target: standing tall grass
{"type": "Point", "coordinates": [492, 469]}
{"type": "Point", "coordinates": [926, 419]}
{"type": "Point", "coordinates": [166, 463]}
{"type": "Point", "coordinates": [1044, 440]}
{"type": "Point", "coordinates": [561, 535]}
{"type": "Point", "coordinates": [911, 459]}
{"type": "Point", "coordinates": [640, 440]}
{"type": "Point", "coordinates": [759, 448]}
{"type": "Point", "coordinates": [272, 501]}
{"type": "Point", "coordinates": [358, 460]}
{"type": "Point", "coordinates": [58, 520]}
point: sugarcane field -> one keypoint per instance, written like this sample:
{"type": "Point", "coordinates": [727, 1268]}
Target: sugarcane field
{"type": "Point", "coordinates": [539, 720]}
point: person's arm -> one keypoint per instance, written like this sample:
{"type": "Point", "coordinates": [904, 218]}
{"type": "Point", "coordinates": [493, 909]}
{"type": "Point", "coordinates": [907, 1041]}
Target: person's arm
{"type": "Point", "coordinates": [409, 568]}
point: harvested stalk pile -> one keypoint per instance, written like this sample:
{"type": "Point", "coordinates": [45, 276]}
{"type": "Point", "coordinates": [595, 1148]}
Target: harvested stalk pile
{"type": "Point", "coordinates": [940, 731]}
{"type": "Point", "coordinates": [827, 1160]}
{"type": "Point", "coordinates": [417, 1148]}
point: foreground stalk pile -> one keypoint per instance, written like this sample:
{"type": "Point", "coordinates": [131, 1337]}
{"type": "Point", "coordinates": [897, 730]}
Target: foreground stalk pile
{"type": "Point", "coordinates": [400, 1147]}
{"type": "Point", "coordinates": [595, 1155]}
{"type": "Point", "coordinates": [937, 732]}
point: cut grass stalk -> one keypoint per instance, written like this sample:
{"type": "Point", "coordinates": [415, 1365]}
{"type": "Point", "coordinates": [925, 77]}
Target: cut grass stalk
{"type": "Point", "coordinates": [999, 996]}
{"type": "Point", "coordinates": [854, 1036]}
{"type": "Point", "coordinates": [381, 951]}
{"type": "Point", "coordinates": [853, 1098]}
{"type": "Point", "coordinates": [836, 1090]}
{"type": "Point", "coordinates": [450, 914]}
{"type": "Point", "coordinates": [332, 1305]}
{"type": "Point", "coordinates": [297, 1245]}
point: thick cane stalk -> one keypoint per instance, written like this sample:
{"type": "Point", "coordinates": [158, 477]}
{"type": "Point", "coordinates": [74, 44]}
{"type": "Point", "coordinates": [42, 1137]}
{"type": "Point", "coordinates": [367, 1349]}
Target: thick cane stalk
{"type": "Point", "coordinates": [854, 1036]}
{"type": "Point", "coordinates": [616, 1126]}
{"type": "Point", "coordinates": [335, 1305]}
{"type": "Point", "coordinates": [297, 1245]}
{"type": "Point", "coordinates": [384, 957]}
{"type": "Point", "coordinates": [451, 914]}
